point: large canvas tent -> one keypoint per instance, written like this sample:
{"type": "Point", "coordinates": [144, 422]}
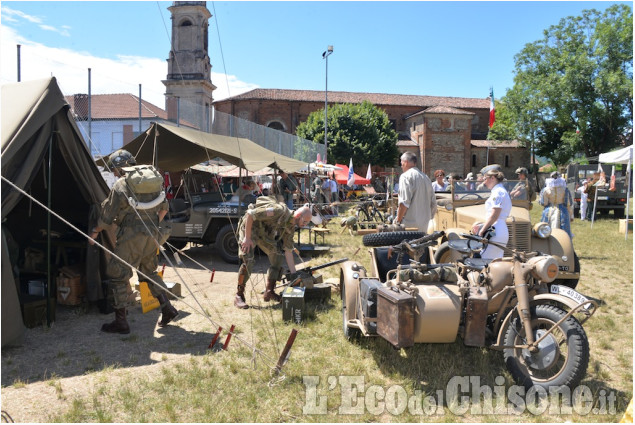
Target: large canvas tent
{"type": "Point", "coordinates": [173, 149]}
{"type": "Point", "coordinates": [44, 154]}
{"type": "Point", "coordinates": [620, 156]}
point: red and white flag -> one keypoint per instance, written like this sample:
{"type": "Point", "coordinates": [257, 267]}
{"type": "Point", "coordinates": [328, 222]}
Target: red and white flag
{"type": "Point", "coordinates": [492, 108]}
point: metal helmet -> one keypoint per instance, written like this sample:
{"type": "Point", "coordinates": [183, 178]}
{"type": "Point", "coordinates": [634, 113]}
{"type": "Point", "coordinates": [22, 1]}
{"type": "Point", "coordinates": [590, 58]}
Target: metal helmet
{"type": "Point", "coordinates": [121, 158]}
{"type": "Point", "coordinates": [522, 170]}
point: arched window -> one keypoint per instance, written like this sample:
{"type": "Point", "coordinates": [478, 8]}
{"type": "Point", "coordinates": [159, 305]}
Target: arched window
{"type": "Point", "coordinates": [276, 125]}
{"type": "Point", "coordinates": [473, 160]}
{"type": "Point", "coordinates": [506, 161]}
{"type": "Point", "coordinates": [186, 23]}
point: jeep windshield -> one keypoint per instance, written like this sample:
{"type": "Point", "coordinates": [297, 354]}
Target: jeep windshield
{"type": "Point", "coordinates": [470, 190]}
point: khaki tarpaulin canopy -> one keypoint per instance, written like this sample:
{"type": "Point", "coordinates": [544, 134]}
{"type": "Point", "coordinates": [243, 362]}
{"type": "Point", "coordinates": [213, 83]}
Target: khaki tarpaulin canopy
{"type": "Point", "coordinates": [172, 148]}
{"type": "Point", "coordinates": [44, 154]}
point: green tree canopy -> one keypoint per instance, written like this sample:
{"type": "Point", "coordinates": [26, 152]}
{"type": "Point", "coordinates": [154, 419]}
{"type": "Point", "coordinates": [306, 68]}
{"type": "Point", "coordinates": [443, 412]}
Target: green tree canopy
{"type": "Point", "coordinates": [359, 131]}
{"type": "Point", "coordinates": [573, 89]}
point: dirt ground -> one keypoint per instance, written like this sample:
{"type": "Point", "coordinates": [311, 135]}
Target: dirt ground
{"type": "Point", "coordinates": [74, 353]}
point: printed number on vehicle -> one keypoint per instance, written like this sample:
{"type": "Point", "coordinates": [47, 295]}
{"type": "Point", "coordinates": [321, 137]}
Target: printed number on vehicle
{"type": "Point", "coordinates": [570, 293]}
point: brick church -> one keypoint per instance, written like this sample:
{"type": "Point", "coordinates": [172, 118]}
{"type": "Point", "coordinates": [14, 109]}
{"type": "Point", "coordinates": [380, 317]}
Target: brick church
{"type": "Point", "coordinates": [444, 132]}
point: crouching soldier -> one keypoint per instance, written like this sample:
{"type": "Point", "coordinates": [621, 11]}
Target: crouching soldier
{"type": "Point", "coordinates": [270, 226]}
{"type": "Point", "coordinates": [137, 204]}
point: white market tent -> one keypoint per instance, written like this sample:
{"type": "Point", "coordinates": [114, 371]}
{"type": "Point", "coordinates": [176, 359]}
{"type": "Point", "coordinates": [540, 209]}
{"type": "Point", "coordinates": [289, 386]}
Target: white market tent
{"type": "Point", "coordinates": [621, 156]}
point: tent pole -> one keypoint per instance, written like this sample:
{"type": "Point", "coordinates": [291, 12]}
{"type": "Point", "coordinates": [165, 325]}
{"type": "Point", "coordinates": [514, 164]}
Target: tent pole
{"type": "Point", "coordinates": [49, 301]}
{"type": "Point", "coordinates": [628, 196]}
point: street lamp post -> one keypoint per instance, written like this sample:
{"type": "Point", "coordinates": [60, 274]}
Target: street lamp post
{"type": "Point", "coordinates": [326, 55]}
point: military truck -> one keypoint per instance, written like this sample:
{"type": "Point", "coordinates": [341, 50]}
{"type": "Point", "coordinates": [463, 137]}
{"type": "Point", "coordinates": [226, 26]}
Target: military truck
{"type": "Point", "coordinates": [607, 200]}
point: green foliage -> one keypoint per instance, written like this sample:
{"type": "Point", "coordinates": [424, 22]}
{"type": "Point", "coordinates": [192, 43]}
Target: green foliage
{"type": "Point", "coordinates": [573, 89]}
{"type": "Point", "coordinates": [359, 131]}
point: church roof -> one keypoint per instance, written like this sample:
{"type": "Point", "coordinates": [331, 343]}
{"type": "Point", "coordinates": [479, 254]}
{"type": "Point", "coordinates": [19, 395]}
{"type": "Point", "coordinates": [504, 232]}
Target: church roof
{"type": "Point", "coordinates": [496, 143]}
{"type": "Point", "coordinates": [352, 97]}
{"type": "Point", "coordinates": [114, 106]}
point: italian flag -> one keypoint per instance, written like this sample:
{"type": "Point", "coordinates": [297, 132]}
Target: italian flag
{"type": "Point", "coordinates": [492, 109]}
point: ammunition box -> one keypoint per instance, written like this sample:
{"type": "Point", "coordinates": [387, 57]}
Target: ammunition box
{"type": "Point", "coordinates": [396, 316]}
{"type": "Point", "coordinates": [293, 304]}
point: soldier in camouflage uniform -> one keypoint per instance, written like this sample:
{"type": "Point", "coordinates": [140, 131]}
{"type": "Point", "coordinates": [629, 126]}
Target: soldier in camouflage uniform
{"type": "Point", "coordinates": [134, 245]}
{"type": "Point", "coordinates": [270, 226]}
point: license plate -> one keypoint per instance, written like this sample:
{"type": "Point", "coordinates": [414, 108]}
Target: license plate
{"type": "Point", "coordinates": [570, 293]}
{"type": "Point", "coordinates": [603, 198]}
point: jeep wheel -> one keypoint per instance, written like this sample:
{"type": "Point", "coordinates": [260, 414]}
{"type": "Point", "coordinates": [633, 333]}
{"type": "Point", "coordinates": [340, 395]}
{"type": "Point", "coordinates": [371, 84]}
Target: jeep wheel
{"type": "Point", "coordinates": [227, 244]}
{"type": "Point", "coordinates": [445, 254]}
{"type": "Point", "coordinates": [390, 238]}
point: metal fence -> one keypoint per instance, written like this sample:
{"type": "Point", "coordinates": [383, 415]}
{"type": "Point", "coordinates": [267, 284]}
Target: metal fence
{"type": "Point", "coordinates": [106, 128]}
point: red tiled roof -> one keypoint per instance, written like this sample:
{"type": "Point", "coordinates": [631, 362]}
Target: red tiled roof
{"type": "Point", "coordinates": [496, 143]}
{"type": "Point", "coordinates": [118, 106]}
{"type": "Point", "coordinates": [350, 97]}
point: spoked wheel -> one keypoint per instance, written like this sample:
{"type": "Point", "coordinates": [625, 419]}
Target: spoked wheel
{"type": "Point", "coordinates": [379, 218]}
{"type": "Point", "coordinates": [363, 219]}
{"type": "Point", "coordinates": [562, 357]}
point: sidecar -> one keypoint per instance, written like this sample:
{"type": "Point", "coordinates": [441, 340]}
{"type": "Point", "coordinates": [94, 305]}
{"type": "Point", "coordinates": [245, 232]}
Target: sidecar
{"type": "Point", "coordinates": [407, 302]}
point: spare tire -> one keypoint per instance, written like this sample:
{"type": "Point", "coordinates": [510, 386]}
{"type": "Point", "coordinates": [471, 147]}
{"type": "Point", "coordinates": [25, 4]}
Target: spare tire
{"type": "Point", "coordinates": [390, 238]}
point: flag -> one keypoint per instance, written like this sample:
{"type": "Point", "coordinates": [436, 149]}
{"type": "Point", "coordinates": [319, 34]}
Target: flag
{"type": "Point", "coordinates": [368, 173]}
{"type": "Point", "coordinates": [492, 108]}
{"type": "Point", "coordinates": [319, 159]}
{"type": "Point", "coordinates": [351, 174]}
{"type": "Point", "coordinates": [169, 191]}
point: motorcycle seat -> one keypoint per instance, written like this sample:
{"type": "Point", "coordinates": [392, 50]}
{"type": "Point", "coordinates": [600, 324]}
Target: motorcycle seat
{"type": "Point", "coordinates": [477, 263]}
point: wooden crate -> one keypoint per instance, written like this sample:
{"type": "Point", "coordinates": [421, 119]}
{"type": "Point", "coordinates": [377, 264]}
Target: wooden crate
{"type": "Point", "coordinates": [623, 225]}
{"type": "Point", "coordinates": [71, 285]}
{"type": "Point", "coordinates": [395, 317]}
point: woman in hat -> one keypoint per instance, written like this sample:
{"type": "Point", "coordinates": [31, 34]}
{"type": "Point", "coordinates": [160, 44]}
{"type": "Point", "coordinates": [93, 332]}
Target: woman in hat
{"type": "Point", "coordinates": [556, 199]}
{"type": "Point", "coordinates": [497, 209]}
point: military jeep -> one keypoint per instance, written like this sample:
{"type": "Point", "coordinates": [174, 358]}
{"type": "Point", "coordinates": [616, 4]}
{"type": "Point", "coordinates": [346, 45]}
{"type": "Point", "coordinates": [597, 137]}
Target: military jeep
{"type": "Point", "coordinates": [200, 213]}
{"type": "Point", "coordinates": [464, 204]}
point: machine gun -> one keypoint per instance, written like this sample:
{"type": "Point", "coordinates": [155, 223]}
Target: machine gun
{"type": "Point", "coordinates": [304, 277]}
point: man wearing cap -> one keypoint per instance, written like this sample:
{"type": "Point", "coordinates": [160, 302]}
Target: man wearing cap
{"type": "Point", "coordinates": [523, 189]}
{"type": "Point", "coordinates": [136, 243]}
{"type": "Point", "coordinates": [270, 226]}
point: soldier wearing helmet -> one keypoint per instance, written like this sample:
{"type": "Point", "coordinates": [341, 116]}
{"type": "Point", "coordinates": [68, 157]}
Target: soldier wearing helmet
{"type": "Point", "coordinates": [523, 189]}
{"type": "Point", "coordinates": [138, 231]}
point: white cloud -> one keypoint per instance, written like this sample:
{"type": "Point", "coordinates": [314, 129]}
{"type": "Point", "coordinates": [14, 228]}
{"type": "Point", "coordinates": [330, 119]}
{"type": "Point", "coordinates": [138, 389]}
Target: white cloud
{"type": "Point", "coordinates": [8, 12]}
{"type": "Point", "coordinates": [108, 76]}
{"type": "Point", "coordinates": [64, 31]}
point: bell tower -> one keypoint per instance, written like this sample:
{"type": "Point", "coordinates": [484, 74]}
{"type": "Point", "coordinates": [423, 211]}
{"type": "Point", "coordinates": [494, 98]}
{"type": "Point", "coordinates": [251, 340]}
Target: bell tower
{"type": "Point", "coordinates": [188, 86]}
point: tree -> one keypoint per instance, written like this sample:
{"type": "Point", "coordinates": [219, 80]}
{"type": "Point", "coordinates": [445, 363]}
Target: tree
{"type": "Point", "coordinates": [359, 131]}
{"type": "Point", "coordinates": [573, 89]}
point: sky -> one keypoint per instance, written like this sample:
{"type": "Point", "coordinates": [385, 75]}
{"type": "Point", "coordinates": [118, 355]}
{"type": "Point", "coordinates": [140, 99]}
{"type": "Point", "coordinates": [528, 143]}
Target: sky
{"type": "Point", "coordinates": [455, 49]}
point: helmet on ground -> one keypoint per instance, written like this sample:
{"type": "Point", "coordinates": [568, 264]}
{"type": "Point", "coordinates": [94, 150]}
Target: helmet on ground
{"type": "Point", "coordinates": [121, 158]}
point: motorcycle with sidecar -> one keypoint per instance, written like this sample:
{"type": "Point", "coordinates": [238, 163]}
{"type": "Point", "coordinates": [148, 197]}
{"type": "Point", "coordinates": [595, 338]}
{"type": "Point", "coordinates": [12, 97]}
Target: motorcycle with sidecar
{"type": "Point", "coordinates": [506, 304]}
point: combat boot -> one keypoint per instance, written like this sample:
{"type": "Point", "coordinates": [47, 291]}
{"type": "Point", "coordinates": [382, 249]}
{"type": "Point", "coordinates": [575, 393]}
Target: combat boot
{"type": "Point", "coordinates": [270, 294]}
{"type": "Point", "coordinates": [119, 325]}
{"type": "Point", "coordinates": [239, 301]}
{"type": "Point", "coordinates": [168, 312]}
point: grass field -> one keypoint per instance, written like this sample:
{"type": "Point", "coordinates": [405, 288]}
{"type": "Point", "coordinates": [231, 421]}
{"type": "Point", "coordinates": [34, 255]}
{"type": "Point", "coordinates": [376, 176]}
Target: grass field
{"type": "Point", "coordinates": [330, 379]}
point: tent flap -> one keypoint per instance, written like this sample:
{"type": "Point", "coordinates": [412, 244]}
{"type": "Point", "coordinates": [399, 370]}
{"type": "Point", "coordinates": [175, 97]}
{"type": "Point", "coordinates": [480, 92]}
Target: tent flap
{"type": "Point", "coordinates": [172, 148]}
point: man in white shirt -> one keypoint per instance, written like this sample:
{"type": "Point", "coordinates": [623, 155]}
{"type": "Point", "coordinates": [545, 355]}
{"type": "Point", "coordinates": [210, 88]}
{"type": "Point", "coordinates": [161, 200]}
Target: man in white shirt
{"type": "Point", "coordinates": [417, 203]}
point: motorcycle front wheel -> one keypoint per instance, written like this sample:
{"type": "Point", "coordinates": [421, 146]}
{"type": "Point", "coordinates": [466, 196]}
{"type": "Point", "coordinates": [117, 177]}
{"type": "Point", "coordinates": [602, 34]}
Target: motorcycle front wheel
{"type": "Point", "coordinates": [562, 358]}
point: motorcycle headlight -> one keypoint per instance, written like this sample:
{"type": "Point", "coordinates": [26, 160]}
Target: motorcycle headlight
{"type": "Point", "coordinates": [542, 230]}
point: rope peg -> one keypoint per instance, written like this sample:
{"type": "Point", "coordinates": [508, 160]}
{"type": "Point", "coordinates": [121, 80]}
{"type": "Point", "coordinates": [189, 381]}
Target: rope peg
{"type": "Point", "coordinates": [211, 344]}
{"type": "Point", "coordinates": [211, 279]}
{"type": "Point", "coordinates": [229, 337]}
{"type": "Point", "coordinates": [284, 356]}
